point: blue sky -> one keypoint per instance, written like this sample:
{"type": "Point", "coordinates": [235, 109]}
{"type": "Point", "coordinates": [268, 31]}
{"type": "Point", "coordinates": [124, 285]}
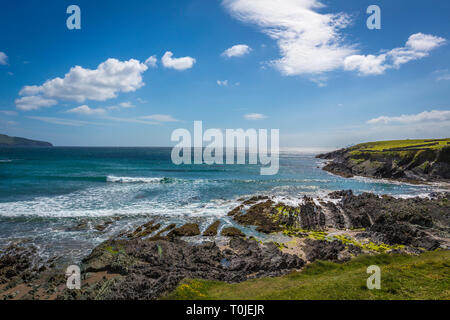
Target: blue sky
{"type": "Point", "coordinates": [309, 68]}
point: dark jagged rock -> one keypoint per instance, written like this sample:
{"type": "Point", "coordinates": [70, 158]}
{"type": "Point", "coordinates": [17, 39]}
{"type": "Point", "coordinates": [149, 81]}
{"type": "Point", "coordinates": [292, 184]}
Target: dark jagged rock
{"type": "Point", "coordinates": [322, 250]}
{"type": "Point", "coordinates": [416, 222]}
{"type": "Point", "coordinates": [329, 250]}
{"type": "Point", "coordinates": [83, 225]}
{"type": "Point", "coordinates": [235, 211]}
{"type": "Point", "coordinates": [187, 230]}
{"type": "Point", "coordinates": [20, 263]}
{"type": "Point", "coordinates": [211, 231]}
{"type": "Point", "coordinates": [145, 230]}
{"type": "Point", "coordinates": [337, 219]}
{"type": "Point", "coordinates": [151, 268]}
{"type": "Point", "coordinates": [254, 200]}
{"type": "Point", "coordinates": [389, 231]}
{"type": "Point", "coordinates": [260, 215]}
{"type": "Point", "coordinates": [340, 194]}
{"type": "Point", "coordinates": [311, 216]}
{"type": "Point", "coordinates": [232, 232]}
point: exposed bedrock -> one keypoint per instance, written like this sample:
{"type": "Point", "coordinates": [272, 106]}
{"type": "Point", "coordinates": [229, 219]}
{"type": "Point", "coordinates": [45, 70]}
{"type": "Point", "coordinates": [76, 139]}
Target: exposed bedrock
{"type": "Point", "coordinates": [416, 163]}
{"type": "Point", "coordinates": [417, 222]}
{"type": "Point", "coordinates": [150, 268]}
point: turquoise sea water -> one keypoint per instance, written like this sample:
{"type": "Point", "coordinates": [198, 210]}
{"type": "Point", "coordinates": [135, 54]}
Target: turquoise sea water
{"type": "Point", "coordinates": [45, 192]}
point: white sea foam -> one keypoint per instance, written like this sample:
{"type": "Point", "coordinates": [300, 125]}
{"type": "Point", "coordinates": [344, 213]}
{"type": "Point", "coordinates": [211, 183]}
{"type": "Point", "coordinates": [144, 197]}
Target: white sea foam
{"type": "Point", "coordinates": [118, 199]}
{"type": "Point", "coordinates": [133, 179]}
{"type": "Point", "coordinates": [387, 181]}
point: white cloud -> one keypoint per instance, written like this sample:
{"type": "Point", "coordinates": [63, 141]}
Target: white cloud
{"type": "Point", "coordinates": [34, 102]}
{"type": "Point", "coordinates": [160, 118]}
{"type": "Point", "coordinates": [309, 41]}
{"type": "Point", "coordinates": [3, 58]}
{"type": "Point", "coordinates": [179, 64]}
{"type": "Point", "coordinates": [62, 121]}
{"type": "Point", "coordinates": [424, 42]}
{"type": "Point", "coordinates": [8, 112]}
{"type": "Point", "coordinates": [105, 82]}
{"type": "Point", "coordinates": [131, 120]}
{"type": "Point", "coordinates": [254, 116]}
{"type": "Point", "coordinates": [426, 116]}
{"type": "Point", "coordinates": [237, 51]}
{"type": "Point", "coordinates": [151, 61]}
{"type": "Point", "coordinates": [223, 83]}
{"type": "Point", "coordinates": [366, 65]}
{"type": "Point", "coordinates": [85, 110]}
{"type": "Point", "coordinates": [417, 47]}
{"type": "Point", "coordinates": [122, 105]}
{"type": "Point", "coordinates": [126, 105]}
{"type": "Point", "coordinates": [442, 75]}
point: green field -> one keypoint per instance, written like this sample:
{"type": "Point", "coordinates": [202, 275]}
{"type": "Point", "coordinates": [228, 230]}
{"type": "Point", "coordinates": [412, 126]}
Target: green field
{"type": "Point", "coordinates": [433, 144]}
{"type": "Point", "coordinates": [402, 277]}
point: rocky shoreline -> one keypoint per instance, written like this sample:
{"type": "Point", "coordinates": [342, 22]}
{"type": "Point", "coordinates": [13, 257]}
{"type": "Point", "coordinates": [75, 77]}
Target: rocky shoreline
{"type": "Point", "coordinates": [151, 260]}
{"type": "Point", "coordinates": [414, 163]}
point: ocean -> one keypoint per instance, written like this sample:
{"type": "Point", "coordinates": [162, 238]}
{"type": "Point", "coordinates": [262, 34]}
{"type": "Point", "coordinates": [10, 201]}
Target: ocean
{"type": "Point", "coordinates": [45, 193]}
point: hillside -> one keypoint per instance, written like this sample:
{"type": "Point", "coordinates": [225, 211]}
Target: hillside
{"type": "Point", "coordinates": [7, 141]}
{"type": "Point", "coordinates": [408, 160]}
{"type": "Point", "coordinates": [403, 277]}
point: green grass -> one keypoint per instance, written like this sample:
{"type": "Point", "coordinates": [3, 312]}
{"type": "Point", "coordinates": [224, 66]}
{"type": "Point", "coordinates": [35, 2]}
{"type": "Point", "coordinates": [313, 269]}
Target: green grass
{"type": "Point", "coordinates": [433, 144]}
{"type": "Point", "coordinates": [402, 277]}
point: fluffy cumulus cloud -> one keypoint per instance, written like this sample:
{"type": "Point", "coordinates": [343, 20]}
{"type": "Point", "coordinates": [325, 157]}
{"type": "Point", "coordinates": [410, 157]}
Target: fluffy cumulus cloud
{"type": "Point", "coordinates": [254, 116]}
{"type": "Point", "coordinates": [34, 102]}
{"type": "Point", "coordinates": [222, 83]}
{"type": "Point", "coordinates": [238, 50]}
{"type": "Point", "coordinates": [85, 110]}
{"type": "Point", "coordinates": [426, 116]}
{"type": "Point", "coordinates": [418, 46]}
{"type": "Point", "coordinates": [104, 82]}
{"type": "Point", "coordinates": [311, 42]}
{"type": "Point", "coordinates": [179, 64]}
{"type": "Point", "coordinates": [3, 58]}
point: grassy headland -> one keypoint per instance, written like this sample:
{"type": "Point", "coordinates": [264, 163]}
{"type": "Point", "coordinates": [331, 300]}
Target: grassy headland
{"type": "Point", "coordinates": [7, 141]}
{"type": "Point", "coordinates": [413, 160]}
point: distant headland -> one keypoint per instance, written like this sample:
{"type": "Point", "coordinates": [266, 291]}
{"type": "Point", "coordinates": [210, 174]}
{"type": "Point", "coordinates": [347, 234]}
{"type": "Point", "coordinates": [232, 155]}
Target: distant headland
{"type": "Point", "coordinates": [404, 160]}
{"type": "Point", "coordinates": [7, 141]}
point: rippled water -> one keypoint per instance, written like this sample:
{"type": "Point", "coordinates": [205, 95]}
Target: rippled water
{"type": "Point", "coordinates": [46, 192]}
